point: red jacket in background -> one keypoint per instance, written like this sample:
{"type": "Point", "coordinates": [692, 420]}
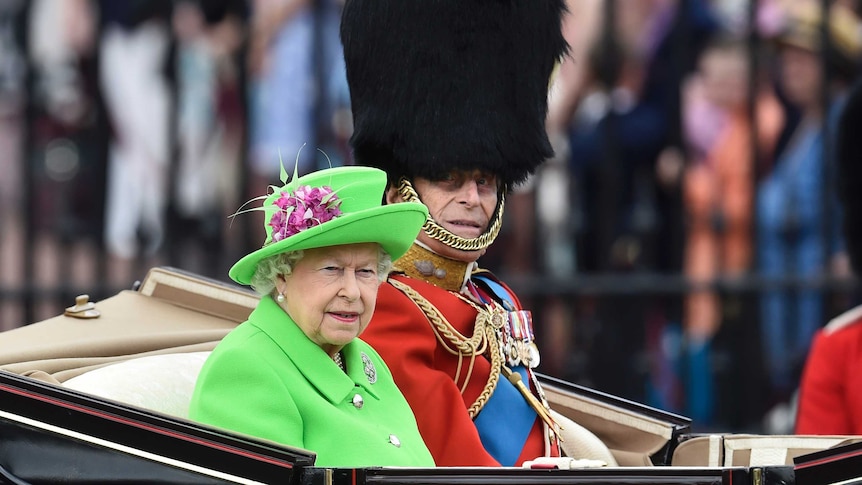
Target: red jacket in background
{"type": "Point", "coordinates": [830, 395]}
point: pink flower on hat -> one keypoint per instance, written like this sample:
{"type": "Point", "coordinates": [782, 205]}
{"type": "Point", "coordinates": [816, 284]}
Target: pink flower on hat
{"type": "Point", "coordinates": [305, 208]}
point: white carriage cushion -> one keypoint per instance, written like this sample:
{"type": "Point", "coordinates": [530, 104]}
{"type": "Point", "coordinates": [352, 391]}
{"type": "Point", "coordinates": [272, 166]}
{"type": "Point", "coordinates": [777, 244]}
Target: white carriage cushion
{"type": "Point", "coordinates": [162, 383]}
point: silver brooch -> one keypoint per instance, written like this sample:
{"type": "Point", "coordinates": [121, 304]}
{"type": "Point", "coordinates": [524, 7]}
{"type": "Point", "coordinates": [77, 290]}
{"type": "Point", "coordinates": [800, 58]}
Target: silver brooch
{"type": "Point", "coordinates": [368, 366]}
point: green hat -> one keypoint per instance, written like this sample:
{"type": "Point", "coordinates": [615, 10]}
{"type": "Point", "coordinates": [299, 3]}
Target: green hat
{"type": "Point", "coordinates": [331, 207]}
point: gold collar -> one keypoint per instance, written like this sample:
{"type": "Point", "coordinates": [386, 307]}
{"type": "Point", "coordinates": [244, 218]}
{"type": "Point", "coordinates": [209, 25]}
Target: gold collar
{"type": "Point", "coordinates": [430, 267]}
{"type": "Point", "coordinates": [438, 232]}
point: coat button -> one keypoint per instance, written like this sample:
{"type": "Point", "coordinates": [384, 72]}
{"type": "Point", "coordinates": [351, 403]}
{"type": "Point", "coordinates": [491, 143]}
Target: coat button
{"type": "Point", "coordinates": [358, 401]}
{"type": "Point", "coordinates": [395, 441]}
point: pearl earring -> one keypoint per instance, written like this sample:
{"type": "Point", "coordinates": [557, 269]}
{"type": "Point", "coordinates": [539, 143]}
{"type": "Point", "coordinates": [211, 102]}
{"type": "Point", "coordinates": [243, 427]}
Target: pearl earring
{"type": "Point", "coordinates": [279, 298]}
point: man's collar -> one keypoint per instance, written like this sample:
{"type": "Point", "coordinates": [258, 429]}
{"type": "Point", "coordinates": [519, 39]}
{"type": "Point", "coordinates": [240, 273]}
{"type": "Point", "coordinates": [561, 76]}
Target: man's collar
{"type": "Point", "coordinates": [421, 263]}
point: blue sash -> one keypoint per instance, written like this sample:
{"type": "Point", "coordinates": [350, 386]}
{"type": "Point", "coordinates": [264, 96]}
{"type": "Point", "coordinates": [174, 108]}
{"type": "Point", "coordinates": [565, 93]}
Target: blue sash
{"type": "Point", "coordinates": [497, 290]}
{"type": "Point", "coordinates": [504, 423]}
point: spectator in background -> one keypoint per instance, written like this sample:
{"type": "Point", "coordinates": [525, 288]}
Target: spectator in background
{"type": "Point", "coordinates": [615, 104]}
{"type": "Point", "coordinates": [618, 121]}
{"type": "Point", "coordinates": [210, 125]}
{"type": "Point", "coordinates": [830, 395]}
{"type": "Point", "coordinates": [61, 44]}
{"type": "Point", "coordinates": [797, 219]}
{"type": "Point", "coordinates": [134, 54]}
{"type": "Point", "coordinates": [615, 134]}
{"type": "Point", "coordinates": [12, 114]}
{"type": "Point", "coordinates": [208, 35]}
{"type": "Point", "coordinates": [61, 34]}
{"type": "Point", "coordinates": [718, 181]}
{"type": "Point", "coordinates": [716, 169]}
{"type": "Point", "coordinates": [295, 69]}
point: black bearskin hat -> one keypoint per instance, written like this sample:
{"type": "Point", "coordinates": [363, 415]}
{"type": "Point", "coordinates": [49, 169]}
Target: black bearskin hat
{"type": "Point", "coordinates": [848, 153]}
{"type": "Point", "coordinates": [437, 85]}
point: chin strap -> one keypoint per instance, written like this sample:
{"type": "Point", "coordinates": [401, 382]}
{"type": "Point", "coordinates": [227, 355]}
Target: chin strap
{"type": "Point", "coordinates": [436, 231]}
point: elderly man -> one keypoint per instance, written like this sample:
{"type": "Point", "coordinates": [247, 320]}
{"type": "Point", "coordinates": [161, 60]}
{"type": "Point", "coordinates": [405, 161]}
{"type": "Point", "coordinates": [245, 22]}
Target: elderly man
{"type": "Point", "coordinates": [450, 98]}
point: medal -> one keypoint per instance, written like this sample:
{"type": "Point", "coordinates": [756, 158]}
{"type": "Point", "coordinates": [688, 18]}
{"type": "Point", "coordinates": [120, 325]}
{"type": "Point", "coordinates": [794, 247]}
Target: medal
{"type": "Point", "coordinates": [517, 339]}
{"type": "Point", "coordinates": [533, 350]}
{"type": "Point", "coordinates": [513, 329]}
{"type": "Point", "coordinates": [514, 355]}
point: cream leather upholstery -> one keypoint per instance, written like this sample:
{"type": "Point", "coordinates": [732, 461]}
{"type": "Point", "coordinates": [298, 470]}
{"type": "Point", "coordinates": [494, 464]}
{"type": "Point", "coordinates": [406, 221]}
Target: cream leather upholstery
{"type": "Point", "coordinates": [162, 383]}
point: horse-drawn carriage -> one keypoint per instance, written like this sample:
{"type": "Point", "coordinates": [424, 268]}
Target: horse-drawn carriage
{"type": "Point", "coordinates": [100, 395]}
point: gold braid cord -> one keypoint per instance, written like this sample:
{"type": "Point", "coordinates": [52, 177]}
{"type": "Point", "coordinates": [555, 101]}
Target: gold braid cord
{"type": "Point", "coordinates": [436, 231]}
{"type": "Point", "coordinates": [484, 332]}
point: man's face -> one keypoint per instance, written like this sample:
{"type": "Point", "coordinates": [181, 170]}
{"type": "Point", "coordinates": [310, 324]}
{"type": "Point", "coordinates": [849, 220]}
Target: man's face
{"type": "Point", "coordinates": [463, 203]}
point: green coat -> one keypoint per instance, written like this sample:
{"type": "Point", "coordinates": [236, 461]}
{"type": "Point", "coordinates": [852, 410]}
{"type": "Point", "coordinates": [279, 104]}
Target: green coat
{"type": "Point", "coordinates": [267, 379]}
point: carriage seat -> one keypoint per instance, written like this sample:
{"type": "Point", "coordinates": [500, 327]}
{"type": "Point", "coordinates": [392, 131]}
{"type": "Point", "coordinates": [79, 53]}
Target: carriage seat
{"type": "Point", "coordinates": [162, 383]}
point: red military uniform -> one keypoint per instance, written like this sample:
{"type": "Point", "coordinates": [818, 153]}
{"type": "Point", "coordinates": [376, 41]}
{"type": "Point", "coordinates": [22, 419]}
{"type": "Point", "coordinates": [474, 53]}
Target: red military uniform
{"type": "Point", "coordinates": [461, 351]}
{"type": "Point", "coordinates": [438, 381]}
{"type": "Point", "coordinates": [830, 397]}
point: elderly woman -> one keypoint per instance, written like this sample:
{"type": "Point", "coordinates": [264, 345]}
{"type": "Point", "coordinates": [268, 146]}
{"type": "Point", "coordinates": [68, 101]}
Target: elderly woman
{"type": "Point", "coordinates": [296, 372]}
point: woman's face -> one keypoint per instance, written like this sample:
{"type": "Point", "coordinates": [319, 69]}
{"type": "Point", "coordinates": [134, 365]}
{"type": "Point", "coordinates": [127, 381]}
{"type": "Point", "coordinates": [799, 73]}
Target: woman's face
{"type": "Point", "coordinates": [331, 293]}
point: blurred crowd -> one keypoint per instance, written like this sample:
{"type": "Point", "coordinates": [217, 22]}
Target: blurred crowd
{"type": "Point", "coordinates": [139, 125]}
{"type": "Point", "coordinates": [696, 137]}
{"type": "Point", "coordinates": [692, 138]}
